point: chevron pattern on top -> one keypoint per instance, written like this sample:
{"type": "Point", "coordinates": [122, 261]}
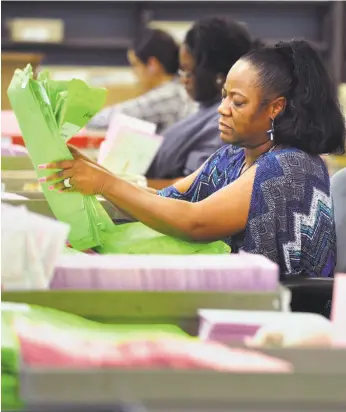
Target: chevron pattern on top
{"type": "Point", "coordinates": [291, 215]}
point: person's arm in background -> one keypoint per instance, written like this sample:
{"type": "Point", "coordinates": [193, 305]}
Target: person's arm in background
{"type": "Point", "coordinates": [202, 151]}
{"type": "Point", "coordinates": [102, 119]}
{"type": "Point", "coordinates": [146, 107]}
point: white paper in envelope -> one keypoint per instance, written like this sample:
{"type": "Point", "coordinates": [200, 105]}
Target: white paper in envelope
{"type": "Point", "coordinates": [130, 145]}
{"type": "Point", "coordinates": [30, 247]}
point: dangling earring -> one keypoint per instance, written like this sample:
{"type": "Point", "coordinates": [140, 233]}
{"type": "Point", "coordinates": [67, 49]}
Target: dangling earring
{"type": "Point", "coordinates": [271, 132]}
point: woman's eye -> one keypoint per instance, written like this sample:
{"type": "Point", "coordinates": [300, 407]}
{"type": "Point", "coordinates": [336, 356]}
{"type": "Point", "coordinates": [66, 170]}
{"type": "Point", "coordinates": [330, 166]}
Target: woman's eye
{"type": "Point", "coordinates": [238, 104]}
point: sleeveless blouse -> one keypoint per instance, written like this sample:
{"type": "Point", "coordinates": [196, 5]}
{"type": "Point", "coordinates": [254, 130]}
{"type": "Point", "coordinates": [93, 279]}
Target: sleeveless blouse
{"type": "Point", "coordinates": [291, 215]}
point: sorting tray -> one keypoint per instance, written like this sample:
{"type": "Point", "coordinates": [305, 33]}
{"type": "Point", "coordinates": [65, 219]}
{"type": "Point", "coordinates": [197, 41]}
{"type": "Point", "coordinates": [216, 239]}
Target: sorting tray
{"type": "Point", "coordinates": [16, 163]}
{"type": "Point", "coordinates": [38, 204]}
{"type": "Point", "coordinates": [137, 307]}
{"type": "Point", "coordinates": [317, 384]}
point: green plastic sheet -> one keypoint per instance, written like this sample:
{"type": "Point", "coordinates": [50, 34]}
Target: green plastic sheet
{"type": "Point", "coordinates": [75, 325]}
{"type": "Point", "coordinates": [9, 366]}
{"type": "Point", "coordinates": [49, 113]}
{"type": "Point", "coordinates": [136, 238]}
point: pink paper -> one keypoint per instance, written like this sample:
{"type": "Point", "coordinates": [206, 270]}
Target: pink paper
{"type": "Point", "coordinates": [13, 150]}
{"type": "Point", "coordinates": [10, 127]}
{"type": "Point", "coordinates": [42, 346]}
{"type": "Point", "coordinates": [222, 273]}
{"type": "Point", "coordinates": [119, 125]}
{"type": "Point", "coordinates": [339, 310]}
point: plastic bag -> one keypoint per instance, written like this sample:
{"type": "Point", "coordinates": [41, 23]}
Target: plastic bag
{"type": "Point", "coordinates": [136, 238]}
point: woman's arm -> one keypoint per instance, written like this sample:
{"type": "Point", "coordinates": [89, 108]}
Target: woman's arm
{"type": "Point", "coordinates": [182, 185]}
{"type": "Point", "coordinates": [79, 155]}
{"type": "Point", "coordinates": [223, 214]}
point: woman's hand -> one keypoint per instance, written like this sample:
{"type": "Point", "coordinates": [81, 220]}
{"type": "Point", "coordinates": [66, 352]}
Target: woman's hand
{"type": "Point", "coordinates": [78, 155]}
{"type": "Point", "coordinates": [77, 176]}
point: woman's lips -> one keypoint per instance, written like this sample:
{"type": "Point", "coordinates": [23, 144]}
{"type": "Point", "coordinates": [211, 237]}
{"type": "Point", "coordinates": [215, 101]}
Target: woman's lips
{"type": "Point", "coordinates": [224, 127]}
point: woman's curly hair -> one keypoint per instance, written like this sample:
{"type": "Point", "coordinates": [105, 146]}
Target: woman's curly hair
{"type": "Point", "coordinates": [312, 120]}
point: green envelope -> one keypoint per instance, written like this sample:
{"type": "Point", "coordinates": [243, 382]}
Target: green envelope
{"type": "Point", "coordinates": [49, 113]}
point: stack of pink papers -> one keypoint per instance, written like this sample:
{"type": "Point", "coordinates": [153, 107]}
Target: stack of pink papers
{"type": "Point", "coordinates": [10, 127]}
{"type": "Point", "coordinates": [235, 325]}
{"type": "Point", "coordinates": [13, 150]}
{"type": "Point", "coordinates": [234, 272]}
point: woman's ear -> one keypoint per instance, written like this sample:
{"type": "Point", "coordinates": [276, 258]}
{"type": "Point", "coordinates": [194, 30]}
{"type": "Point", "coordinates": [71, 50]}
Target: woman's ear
{"type": "Point", "coordinates": [278, 106]}
{"type": "Point", "coordinates": [153, 65]}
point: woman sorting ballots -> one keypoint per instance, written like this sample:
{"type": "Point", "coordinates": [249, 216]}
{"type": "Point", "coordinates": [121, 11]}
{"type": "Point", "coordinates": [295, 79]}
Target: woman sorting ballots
{"type": "Point", "coordinates": [267, 191]}
{"type": "Point", "coordinates": [210, 48]}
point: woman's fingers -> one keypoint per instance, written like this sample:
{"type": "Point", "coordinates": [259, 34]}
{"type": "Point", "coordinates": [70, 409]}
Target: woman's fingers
{"type": "Point", "coordinates": [76, 153]}
{"type": "Point", "coordinates": [63, 174]}
{"type": "Point", "coordinates": [60, 187]}
{"type": "Point", "coordinates": [64, 164]}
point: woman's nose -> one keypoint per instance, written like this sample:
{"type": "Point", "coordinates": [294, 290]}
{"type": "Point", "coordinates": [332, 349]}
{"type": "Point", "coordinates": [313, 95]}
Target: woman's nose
{"type": "Point", "coordinates": [224, 108]}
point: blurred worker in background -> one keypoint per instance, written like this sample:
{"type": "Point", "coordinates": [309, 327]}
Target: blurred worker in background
{"type": "Point", "coordinates": [210, 49]}
{"type": "Point", "coordinates": [154, 59]}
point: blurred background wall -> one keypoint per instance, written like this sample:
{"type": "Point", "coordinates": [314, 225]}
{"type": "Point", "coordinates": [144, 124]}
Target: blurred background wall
{"type": "Point", "coordinates": [89, 40]}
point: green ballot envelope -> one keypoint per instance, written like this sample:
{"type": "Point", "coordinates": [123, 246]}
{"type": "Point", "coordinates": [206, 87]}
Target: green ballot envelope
{"type": "Point", "coordinates": [49, 113]}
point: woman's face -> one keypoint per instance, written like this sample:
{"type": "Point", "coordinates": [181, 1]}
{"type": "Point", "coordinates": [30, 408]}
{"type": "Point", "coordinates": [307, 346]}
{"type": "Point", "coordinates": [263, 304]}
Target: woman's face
{"type": "Point", "coordinates": [187, 67]}
{"type": "Point", "coordinates": [144, 72]}
{"type": "Point", "coordinates": [244, 119]}
{"type": "Point", "coordinates": [200, 84]}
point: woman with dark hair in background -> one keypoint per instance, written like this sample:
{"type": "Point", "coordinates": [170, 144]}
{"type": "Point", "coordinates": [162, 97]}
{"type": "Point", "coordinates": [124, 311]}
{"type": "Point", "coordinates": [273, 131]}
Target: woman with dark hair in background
{"type": "Point", "coordinates": [210, 48]}
{"type": "Point", "coordinates": [154, 59]}
{"type": "Point", "coordinates": [270, 195]}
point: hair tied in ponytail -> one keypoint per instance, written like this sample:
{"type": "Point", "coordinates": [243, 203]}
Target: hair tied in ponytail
{"type": "Point", "coordinates": [286, 51]}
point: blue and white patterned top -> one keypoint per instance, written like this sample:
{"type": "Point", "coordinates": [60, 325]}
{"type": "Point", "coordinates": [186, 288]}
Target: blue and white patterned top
{"type": "Point", "coordinates": [291, 215]}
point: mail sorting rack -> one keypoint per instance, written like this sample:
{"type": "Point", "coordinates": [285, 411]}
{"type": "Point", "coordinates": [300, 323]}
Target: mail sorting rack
{"type": "Point", "coordinates": [317, 384]}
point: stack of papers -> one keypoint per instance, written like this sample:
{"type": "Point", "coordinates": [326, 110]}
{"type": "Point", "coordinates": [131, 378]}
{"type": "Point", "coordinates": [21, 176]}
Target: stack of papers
{"type": "Point", "coordinates": [130, 146]}
{"type": "Point", "coordinates": [237, 325]}
{"type": "Point", "coordinates": [235, 272]}
{"type": "Point", "coordinates": [30, 247]}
